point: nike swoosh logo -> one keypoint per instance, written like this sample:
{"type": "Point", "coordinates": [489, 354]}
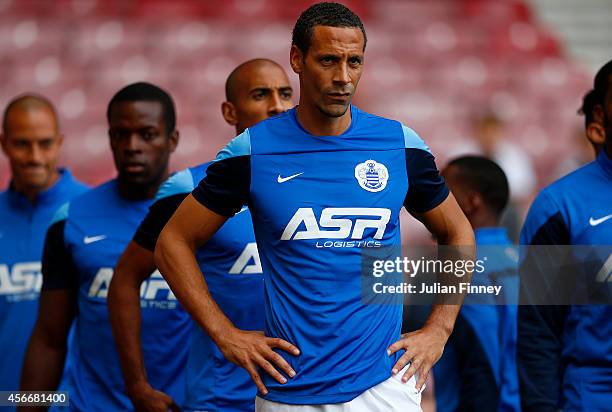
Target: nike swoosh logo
{"type": "Point", "coordinates": [595, 222]}
{"type": "Point", "coordinates": [90, 239]}
{"type": "Point", "coordinates": [242, 210]}
{"type": "Point", "coordinates": [280, 179]}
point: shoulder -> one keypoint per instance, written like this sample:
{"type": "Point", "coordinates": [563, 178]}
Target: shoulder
{"type": "Point", "coordinates": [182, 182]}
{"type": "Point", "coordinates": [72, 184]}
{"type": "Point", "coordinates": [94, 197]}
{"type": "Point", "coordinates": [61, 214]}
{"type": "Point", "coordinates": [238, 146]}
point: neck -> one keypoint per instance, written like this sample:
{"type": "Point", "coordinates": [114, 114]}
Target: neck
{"type": "Point", "coordinates": [319, 124]}
{"type": "Point", "coordinates": [484, 220]}
{"type": "Point", "coordinates": [31, 193]}
{"type": "Point", "coordinates": [134, 191]}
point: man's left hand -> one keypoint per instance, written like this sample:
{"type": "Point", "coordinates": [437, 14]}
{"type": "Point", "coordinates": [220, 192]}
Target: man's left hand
{"type": "Point", "coordinates": [423, 348]}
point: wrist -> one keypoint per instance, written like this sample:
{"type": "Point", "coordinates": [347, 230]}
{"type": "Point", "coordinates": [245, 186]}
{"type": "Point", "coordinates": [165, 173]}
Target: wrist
{"type": "Point", "coordinates": [137, 386]}
{"type": "Point", "coordinates": [439, 328]}
{"type": "Point", "coordinates": [224, 334]}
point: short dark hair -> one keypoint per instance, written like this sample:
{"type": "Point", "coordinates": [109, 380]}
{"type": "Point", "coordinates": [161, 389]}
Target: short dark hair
{"type": "Point", "coordinates": [324, 14]}
{"type": "Point", "coordinates": [146, 92]}
{"type": "Point", "coordinates": [588, 104]}
{"type": "Point", "coordinates": [27, 101]}
{"type": "Point", "coordinates": [485, 177]}
{"type": "Point", "coordinates": [602, 82]}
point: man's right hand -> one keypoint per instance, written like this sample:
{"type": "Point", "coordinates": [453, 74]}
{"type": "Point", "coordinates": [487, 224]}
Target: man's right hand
{"type": "Point", "coordinates": [146, 399]}
{"type": "Point", "coordinates": [251, 349]}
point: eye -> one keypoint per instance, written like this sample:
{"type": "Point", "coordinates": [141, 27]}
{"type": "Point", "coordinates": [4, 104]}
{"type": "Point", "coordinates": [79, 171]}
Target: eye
{"type": "Point", "coordinates": [326, 60]}
{"type": "Point", "coordinates": [287, 94]}
{"type": "Point", "coordinates": [46, 144]}
{"type": "Point", "coordinates": [148, 135]}
{"type": "Point", "coordinates": [355, 61]}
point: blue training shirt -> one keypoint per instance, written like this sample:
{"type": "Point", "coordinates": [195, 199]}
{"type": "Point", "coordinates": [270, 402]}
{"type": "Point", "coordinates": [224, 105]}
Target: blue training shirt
{"type": "Point", "coordinates": [23, 225]}
{"type": "Point", "coordinates": [232, 268]}
{"type": "Point", "coordinates": [565, 352]}
{"type": "Point", "coordinates": [477, 370]}
{"type": "Point", "coordinates": [316, 202]}
{"type": "Point", "coordinates": [82, 248]}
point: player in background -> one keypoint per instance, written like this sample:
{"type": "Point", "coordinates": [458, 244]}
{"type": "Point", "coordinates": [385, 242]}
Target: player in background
{"type": "Point", "coordinates": [594, 129]}
{"type": "Point", "coordinates": [477, 371]}
{"type": "Point", "coordinates": [564, 351]}
{"type": "Point", "coordinates": [31, 140]}
{"type": "Point", "coordinates": [323, 181]}
{"type": "Point", "coordinates": [255, 90]}
{"type": "Point", "coordinates": [81, 249]}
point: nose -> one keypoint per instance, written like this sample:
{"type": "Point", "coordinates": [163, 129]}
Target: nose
{"type": "Point", "coordinates": [36, 155]}
{"type": "Point", "coordinates": [131, 143]}
{"type": "Point", "coordinates": [276, 105]}
{"type": "Point", "coordinates": [341, 74]}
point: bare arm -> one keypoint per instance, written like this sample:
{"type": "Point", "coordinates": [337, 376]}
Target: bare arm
{"type": "Point", "coordinates": [135, 265]}
{"type": "Point", "coordinates": [450, 226]}
{"type": "Point", "coordinates": [190, 227]}
{"type": "Point", "coordinates": [424, 347]}
{"type": "Point", "coordinates": [46, 353]}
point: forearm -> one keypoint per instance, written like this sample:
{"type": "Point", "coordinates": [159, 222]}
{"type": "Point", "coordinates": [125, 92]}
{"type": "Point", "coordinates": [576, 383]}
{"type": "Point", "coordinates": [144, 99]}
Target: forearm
{"type": "Point", "coordinates": [43, 364]}
{"type": "Point", "coordinates": [459, 247]}
{"type": "Point", "coordinates": [124, 311]}
{"type": "Point", "coordinates": [175, 259]}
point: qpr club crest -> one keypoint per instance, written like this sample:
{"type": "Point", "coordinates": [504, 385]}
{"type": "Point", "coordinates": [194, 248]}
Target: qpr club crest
{"type": "Point", "coordinates": [371, 175]}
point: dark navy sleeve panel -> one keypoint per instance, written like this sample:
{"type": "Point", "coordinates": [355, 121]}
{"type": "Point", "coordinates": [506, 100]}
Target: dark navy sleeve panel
{"type": "Point", "coordinates": [159, 213]}
{"type": "Point", "coordinates": [540, 328]}
{"type": "Point", "coordinates": [426, 188]}
{"type": "Point", "coordinates": [58, 268]}
{"type": "Point", "coordinates": [538, 228]}
{"type": "Point", "coordinates": [478, 390]}
{"type": "Point", "coordinates": [539, 349]}
{"type": "Point", "coordinates": [226, 187]}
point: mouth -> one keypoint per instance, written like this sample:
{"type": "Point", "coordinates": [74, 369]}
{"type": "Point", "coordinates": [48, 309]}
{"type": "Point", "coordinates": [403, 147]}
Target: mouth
{"type": "Point", "coordinates": [339, 97]}
{"type": "Point", "coordinates": [134, 167]}
{"type": "Point", "coordinates": [34, 168]}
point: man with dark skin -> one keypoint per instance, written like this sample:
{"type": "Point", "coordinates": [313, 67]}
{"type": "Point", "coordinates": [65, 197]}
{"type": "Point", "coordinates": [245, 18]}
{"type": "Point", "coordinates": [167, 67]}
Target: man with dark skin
{"type": "Point", "coordinates": [477, 371]}
{"type": "Point", "coordinates": [255, 90]}
{"type": "Point", "coordinates": [564, 351]}
{"type": "Point", "coordinates": [291, 168]}
{"type": "Point", "coordinates": [82, 247]}
{"type": "Point", "coordinates": [31, 140]}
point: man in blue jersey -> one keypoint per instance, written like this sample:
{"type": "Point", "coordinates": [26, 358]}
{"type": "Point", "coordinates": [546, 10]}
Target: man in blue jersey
{"type": "Point", "coordinates": [477, 371]}
{"type": "Point", "coordinates": [31, 140]}
{"type": "Point", "coordinates": [324, 182]}
{"type": "Point", "coordinates": [255, 90]}
{"type": "Point", "coordinates": [564, 353]}
{"type": "Point", "coordinates": [82, 247]}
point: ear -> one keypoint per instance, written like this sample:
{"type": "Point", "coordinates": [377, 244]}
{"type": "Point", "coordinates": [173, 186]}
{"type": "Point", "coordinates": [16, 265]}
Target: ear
{"type": "Point", "coordinates": [3, 142]}
{"type": "Point", "coordinates": [174, 139]}
{"type": "Point", "coordinates": [474, 203]}
{"type": "Point", "coordinates": [296, 59]}
{"type": "Point", "coordinates": [228, 110]}
{"type": "Point", "coordinates": [60, 140]}
{"type": "Point", "coordinates": [596, 133]}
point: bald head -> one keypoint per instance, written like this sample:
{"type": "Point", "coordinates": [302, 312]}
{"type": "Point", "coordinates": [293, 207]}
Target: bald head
{"type": "Point", "coordinates": [236, 80]}
{"type": "Point", "coordinates": [31, 140]}
{"type": "Point", "coordinates": [255, 90]}
{"type": "Point", "coordinates": [28, 103]}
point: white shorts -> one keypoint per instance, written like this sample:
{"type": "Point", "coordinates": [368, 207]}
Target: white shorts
{"type": "Point", "coordinates": [389, 396]}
